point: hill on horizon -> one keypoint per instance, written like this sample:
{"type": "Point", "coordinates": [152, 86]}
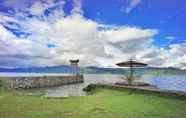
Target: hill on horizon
{"type": "Point", "coordinates": [93, 70]}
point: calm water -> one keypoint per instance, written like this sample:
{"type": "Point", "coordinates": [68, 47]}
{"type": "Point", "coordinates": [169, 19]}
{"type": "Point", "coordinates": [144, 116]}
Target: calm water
{"type": "Point", "coordinates": [76, 89]}
{"type": "Point", "coordinates": [172, 82]}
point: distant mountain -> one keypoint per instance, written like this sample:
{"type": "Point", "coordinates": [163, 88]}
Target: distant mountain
{"type": "Point", "coordinates": [55, 69]}
{"type": "Point", "coordinates": [138, 71]}
{"type": "Point", "coordinates": [95, 70]}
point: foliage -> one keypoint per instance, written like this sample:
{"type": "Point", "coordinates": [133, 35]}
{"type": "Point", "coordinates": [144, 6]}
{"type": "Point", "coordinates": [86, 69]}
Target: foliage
{"type": "Point", "coordinates": [3, 84]}
{"type": "Point", "coordinates": [89, 88]}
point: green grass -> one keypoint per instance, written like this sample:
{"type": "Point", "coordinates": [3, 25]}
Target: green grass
{"type": "Point", "coordinates": [103, 103]}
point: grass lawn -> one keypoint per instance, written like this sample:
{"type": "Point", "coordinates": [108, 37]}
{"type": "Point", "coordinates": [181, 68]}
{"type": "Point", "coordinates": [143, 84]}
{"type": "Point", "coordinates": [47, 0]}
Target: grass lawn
{"type": "Point", "coordinates": [103, 103]}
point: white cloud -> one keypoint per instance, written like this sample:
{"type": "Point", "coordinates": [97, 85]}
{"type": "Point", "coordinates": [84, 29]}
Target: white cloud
{"type": "Point", "coordinates": [131, 5]}
{"type": "Point", "coordinates": [178, 49]}
{"type": "Point", "coordinates": [74, 36]}
{"type": "Point", "coordinates": [37, 8]}
{"type": "Point", "coordinates": [77, 9]}
{"type": "Point", "coordinates": [170, 37]}
{"type": "Point", "coordinates": [84, 41]}
{"type": "Point", "coordinates": [126, 33]}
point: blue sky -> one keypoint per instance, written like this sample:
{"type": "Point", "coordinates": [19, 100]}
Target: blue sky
{"type": "Point", "coordinates": [166, 16]}
{"type": "Point", "coordinates": [103, 31]}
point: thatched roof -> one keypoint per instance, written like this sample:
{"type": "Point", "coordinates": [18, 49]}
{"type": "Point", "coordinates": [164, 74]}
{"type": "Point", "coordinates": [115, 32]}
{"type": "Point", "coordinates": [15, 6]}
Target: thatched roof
{"type": "Point", "coordinates": [131, 63]}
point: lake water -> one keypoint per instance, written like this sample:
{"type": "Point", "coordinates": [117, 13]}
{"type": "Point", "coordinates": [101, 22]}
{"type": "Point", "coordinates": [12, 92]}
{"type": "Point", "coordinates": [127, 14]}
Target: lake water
{"type": "Point", "coordinates": [77, 89]}
{"type": "Point", "coordinates": [169, 82]}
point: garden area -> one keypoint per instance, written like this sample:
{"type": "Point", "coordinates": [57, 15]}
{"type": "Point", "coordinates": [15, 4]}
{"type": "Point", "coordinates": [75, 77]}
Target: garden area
{"type": "Point", "coordinates": [100, 103]}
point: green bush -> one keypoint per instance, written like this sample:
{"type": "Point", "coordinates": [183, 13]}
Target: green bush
{"type": "Point", "coordinates": [2, 84]}
{"type": "Point", "coordinates": [89, 88]}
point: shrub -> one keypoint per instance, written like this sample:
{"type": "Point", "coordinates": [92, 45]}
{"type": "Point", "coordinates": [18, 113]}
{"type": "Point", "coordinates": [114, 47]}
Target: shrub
{"type": "Point", "coordinates": [2, 84]}
{"type": "Point", "coordinates": [89, 88]}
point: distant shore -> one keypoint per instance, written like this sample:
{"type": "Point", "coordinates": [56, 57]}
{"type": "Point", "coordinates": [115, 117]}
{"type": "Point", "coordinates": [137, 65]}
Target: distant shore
{"type": "Point", "coordinates": [22, 74]}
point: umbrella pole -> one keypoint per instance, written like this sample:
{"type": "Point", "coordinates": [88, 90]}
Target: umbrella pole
{"type": "Point", "coordinates": [131, 69]}
{"type": "Point", "coordinates": [131, 72]}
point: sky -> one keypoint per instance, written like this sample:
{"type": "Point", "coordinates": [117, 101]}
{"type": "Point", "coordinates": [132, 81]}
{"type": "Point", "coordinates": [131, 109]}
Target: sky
{"type": "Point", "coordinates": [98, 32]}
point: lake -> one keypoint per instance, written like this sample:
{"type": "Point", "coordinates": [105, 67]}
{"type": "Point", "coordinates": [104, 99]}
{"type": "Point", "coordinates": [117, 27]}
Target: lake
{"type": "Point", "coordinates": [164, 82]}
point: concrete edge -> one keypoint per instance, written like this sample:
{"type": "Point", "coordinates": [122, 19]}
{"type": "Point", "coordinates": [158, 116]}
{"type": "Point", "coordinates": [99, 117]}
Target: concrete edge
{"type": "Point", "coordinates": [145, 90]}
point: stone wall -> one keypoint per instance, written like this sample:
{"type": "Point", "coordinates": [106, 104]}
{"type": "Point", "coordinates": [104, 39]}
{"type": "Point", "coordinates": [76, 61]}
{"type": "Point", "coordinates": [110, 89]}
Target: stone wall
{"type": "Point", "coordinates": [42, 81]}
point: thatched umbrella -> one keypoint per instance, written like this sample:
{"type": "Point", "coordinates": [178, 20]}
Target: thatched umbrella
{"type": "Point", "coordinates": [131, 64]}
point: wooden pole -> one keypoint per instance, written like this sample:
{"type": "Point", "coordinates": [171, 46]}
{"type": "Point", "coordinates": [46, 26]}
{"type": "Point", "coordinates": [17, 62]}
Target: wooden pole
{"type": "Point", "coordinates": [131, 68]}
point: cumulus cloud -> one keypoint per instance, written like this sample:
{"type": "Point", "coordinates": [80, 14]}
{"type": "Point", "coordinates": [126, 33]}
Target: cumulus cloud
{"type": "Point", "coordinates": [74, 36]}
{"type": "Point", "coordinates": [77, 7]}
{"type": "Point", "coordinates": [178, 49]}
{"type": "Point", "coordinates": [37, 8]}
